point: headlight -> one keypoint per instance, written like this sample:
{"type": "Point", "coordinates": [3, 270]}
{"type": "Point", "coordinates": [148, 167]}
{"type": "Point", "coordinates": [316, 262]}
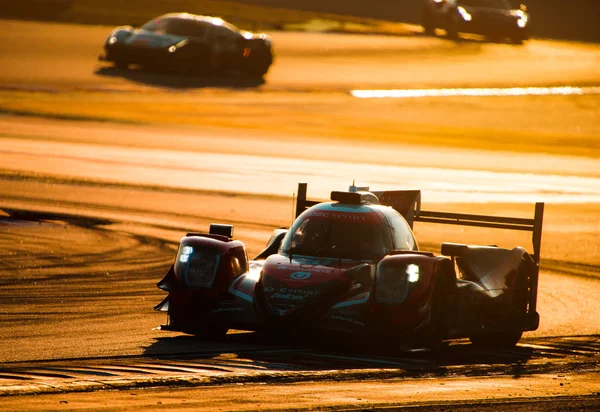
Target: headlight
{"type": "Point", "coordinates": [464, 13]}
{"type": "Point", "coordinates": [196, 266]}
{"type": "Point", "coordinates": [393, 282]}
{"type": "Point", "coordinates": [112, 40]}
{"type": "Point", "coordinates": [173, 48]}
{"type": "Point", "coordinates": [412, 271]}
{"type": "Point", "coordinates": [391, 285]}
{"type": "Point", "coordinates": [522, 18]}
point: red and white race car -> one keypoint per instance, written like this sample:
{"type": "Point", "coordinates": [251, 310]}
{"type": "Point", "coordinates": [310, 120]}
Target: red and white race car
{"type": "Point", "coordinates": [353, 266]}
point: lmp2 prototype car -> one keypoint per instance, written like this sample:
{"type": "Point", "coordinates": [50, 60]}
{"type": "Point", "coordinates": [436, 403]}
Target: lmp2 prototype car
{"type": "Point", "coordinates": [190, 43]}
{"type": "Point", "coordinates": [352, 266]}
{"type": "Point", "coordinates": [491, 18]}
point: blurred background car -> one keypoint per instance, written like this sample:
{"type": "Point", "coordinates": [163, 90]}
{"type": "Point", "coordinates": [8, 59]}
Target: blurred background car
{"type": "Point", "coordinates": [494, 19]}
{"type": "Point", "coordinates": [190, 43]}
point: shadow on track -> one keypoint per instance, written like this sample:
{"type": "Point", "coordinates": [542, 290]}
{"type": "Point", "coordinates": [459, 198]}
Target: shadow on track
{"type": "Point", "coordinates": [180, 81]}
{"type": "Point", "coordinates": [542, 355]}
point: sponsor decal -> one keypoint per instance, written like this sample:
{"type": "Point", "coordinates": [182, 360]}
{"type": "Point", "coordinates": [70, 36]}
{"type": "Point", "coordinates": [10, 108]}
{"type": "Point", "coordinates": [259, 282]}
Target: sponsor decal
{"type": "Point", "coordinates": [300, 275]}
{"type": "Point", "coordinates": [292, 294]}
{"type": "Point", "coordinates": [348, 320]}
{"type": "Point", "coordinates": [339, 216]}
{"type": "Point", "coordinates": [288, 296]}
{"type": "Point", "coordinates": [227, 310]}
{"type": "Point", "coordinates": [363, 214]}
{"type": "Point", "coordinates": [300, 291]}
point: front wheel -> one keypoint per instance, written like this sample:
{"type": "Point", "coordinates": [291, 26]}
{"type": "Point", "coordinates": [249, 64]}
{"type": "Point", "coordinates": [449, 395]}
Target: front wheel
{"type": "Point", "coordinates": [211, 332]}
{"type": "Point", "coordinates": [497, 340]}
{"type": "Point", "coordinates": [517, 41]}
{"type": "Point", "coordinates": [428, 25]}
{"type": "Point", "coordinates": [452, 28]}
{"type": "Point", "coordinates": [123, 65]}
{"type": "Point", "coordinates": [195, 321]}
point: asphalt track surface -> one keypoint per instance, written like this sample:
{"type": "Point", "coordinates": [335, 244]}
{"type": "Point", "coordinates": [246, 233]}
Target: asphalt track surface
{"type": "Point", "coordinates": [100, 248]}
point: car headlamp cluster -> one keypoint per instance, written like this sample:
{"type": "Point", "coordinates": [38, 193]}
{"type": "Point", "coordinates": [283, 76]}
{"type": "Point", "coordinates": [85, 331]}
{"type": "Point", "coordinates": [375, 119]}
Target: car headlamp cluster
{"type": "Point", "coordinates": [464, 13]}
{"type": "Point", "coordinates": [173, 48]}
{"type": "Point", "coordinates": [393, 283]}
{"type": "Point", "coordinates": [522, 18]}
{"type": "Point", "coordinates": [112, 39]}
{"type": "Point", "coordinates": [197, 267]}
{"type": "Point", "coordinates": [186, 251]}
{"type": "Point", "coordinates": [412, 271]}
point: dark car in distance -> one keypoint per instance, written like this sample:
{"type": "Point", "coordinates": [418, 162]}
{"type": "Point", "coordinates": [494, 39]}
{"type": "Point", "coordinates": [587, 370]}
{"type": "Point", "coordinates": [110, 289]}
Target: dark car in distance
{"type": "Point", "coordinates": [495, 19]}
{"type": "Point", "coordinates": [190, 43]}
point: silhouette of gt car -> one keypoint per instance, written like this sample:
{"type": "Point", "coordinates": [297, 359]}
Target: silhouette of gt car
{"type": "Point", "coordinates": [190, 43]}
{"type": "Point", "coordinates": [492, 18]}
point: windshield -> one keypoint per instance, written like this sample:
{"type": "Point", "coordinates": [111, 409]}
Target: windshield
{"type": "Point", "coordinates": [338, 239]}
{"type": "Point", "coordinates": [492, 4]}
{"type": "Point", "coordinates": [177, 26]}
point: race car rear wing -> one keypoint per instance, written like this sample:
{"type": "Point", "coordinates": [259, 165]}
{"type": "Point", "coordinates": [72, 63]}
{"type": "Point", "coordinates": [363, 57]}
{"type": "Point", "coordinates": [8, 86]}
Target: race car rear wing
{"type": "Point", "coordinates": [408, 204]}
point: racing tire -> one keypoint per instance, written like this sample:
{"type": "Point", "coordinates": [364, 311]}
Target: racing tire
{"type": "Point", "coordinates": [121, 65]}
{"type": "Point", "coordinates": [517, 41]}
{"type": "Point", "coordinates": [427, 23]}
{"type": "Point", "coordinates": [452, 28]}
{"type": "Point", "coordinates": [211, 332]}
{"type": "Point", "coordinates": [437, 328]}
{"type": "Point", "coordinates": [496, 340]}
{"type": "Point", "coordinates": [257, 71]}
{"type": "Point", "coordinates": [260, 64]}
{"type": "Point", "coordinates": [197, 323]}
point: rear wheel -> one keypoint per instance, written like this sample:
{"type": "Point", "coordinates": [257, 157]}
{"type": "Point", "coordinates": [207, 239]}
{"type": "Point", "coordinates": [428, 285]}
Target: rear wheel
{"type": "Point", "coordinates": [259, 66]}
{"type": "Point", "coordinates": [122, 64]}
{"type": "Point", "coordinates": [517, 41]}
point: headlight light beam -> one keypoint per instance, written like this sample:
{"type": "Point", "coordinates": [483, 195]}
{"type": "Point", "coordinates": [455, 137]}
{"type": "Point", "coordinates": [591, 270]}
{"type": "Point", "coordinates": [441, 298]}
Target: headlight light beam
{"type": "Point", "coordinates": [412, 271]}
